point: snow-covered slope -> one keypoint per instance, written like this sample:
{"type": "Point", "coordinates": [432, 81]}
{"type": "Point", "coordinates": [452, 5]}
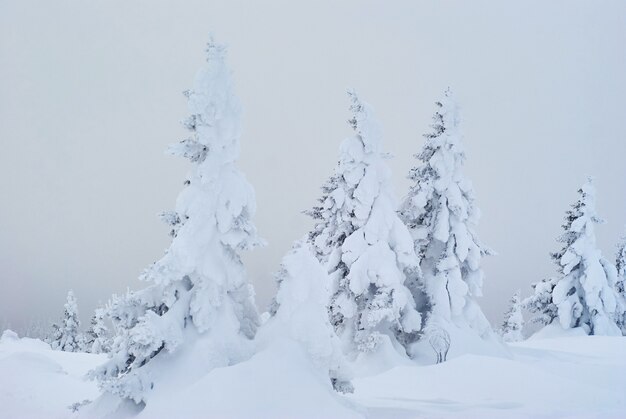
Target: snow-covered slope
{"type": "Point", "coordinates": [573, 377]}
{"type": "Point", "coordinates": [566, 376]}
{"type": "Point", "coordinates": [37, 382]}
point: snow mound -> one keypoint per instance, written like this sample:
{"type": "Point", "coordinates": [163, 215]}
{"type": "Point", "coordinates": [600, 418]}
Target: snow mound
{"type": "Point", "coordinates": [278, 382]}
{"type": "Point", "coordinates": [575, 377]}
{"type": "Point", "coordinates": [555, 330]}
{"type": "Point", "coordinates": [40, 383]}
{"type": "Point", "coordinates": [462, 341]}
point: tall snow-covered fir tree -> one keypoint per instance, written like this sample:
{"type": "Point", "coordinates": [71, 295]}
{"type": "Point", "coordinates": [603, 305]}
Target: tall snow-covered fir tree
{"type": "Point", "coordinates": [200, 308]}
{"type": "Point", "coordinates": [620, 285]}
{"type": "Point", "coordinates": [365, 247]}
{"type": "Point", "coordinates": [513, 321]}
{"type": "Point", "coordinates": [67, 336]}
{"type": "Point", "coordinates": [584, 294]}
{"type": "Point", "coordinates": [97, 338]}
{"type": "Point", "coordinates": [441, 215]}
{"type": "Point", "coordinates": [300, 312]}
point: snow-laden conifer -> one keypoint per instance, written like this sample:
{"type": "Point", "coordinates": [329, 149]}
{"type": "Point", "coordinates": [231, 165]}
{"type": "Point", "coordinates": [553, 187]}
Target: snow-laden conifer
{"type": "Point", "coordinates": [584, 294]}
{"type": "Point", "coordinates": [441, 215]}
{"type": "Point", "coordinates": [66, 336]}
{"type": "Point", "coordinates": [540, 302]}
{"type": "Point", "coordinates": [97, 337]}
{"type": "Point", "coordinates": [199, 299]}
{"type": "Point", "coordinates": [620, 285]}
{"type": "Point", "coordinates": [365, 247]}
{"type": "Point", "coordinates": [299, 311]}
{"type": "Point", "coordinates": [513, 320]}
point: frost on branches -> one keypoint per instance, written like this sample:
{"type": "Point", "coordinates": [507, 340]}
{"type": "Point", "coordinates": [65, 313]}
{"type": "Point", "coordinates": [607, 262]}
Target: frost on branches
{"type": "Point", "coordinates": [584, 294]}
{"type": "Point", "coordinates": [513, 321]}
{"type": "Point", "coordinates": [199, 299]}
{"type": "Point", "coordinates": [97, 339]}
{"type": "Point", "coordinates": [540, 302]}
{"type": "Point", "coordinates": [299, 311]}
{"type": "Point", "coordinates": [365, 247]}
{"type": "Point", "coordinates": [440, 213]}
{"type": "Point", "coordinates": [66, 337]}
{"type": "Point", "coordinates": [620, 285]}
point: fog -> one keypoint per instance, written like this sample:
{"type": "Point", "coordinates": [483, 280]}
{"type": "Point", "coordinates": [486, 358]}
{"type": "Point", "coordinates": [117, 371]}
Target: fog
{"type": "Point", "coordinates": [90, 96]}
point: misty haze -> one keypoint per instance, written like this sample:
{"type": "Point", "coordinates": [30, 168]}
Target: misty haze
{"type": "Point", "coordinates": [322, 209]}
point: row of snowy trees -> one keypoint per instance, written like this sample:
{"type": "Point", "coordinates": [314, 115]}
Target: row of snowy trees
{"type": "Point", "coordinates": [67, 336]}
{"type": "Point", "coordinates": [372, 272]}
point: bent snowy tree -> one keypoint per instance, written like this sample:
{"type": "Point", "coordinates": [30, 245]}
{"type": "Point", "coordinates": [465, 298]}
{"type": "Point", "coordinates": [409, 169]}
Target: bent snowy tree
{"type": "Point", "coordinates": [440, 213]}
{"type": "Point", "coordinates": [365, 247]}
{"type": "Point", "coordinates": [584, 294]}
{"type": "Point", "coordinates": [199, 309]}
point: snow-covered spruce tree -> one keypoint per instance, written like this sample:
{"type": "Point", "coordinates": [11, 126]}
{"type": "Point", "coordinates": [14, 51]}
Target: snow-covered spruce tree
{"type": "Point", "coordinates": [513, 321]}
{"type": "Point", "coordinates": [365, 247]}
{"type": "Point", "coordinates": [97, 338]}
{"type": "Point", "coordinates": [66, 337]}
{"type": "Point", "coordinates": [620, 285]}
{"type": "Point", "coordinates": [300, 312]}
{"type": "Point", "coordinates": [54, 336]}
{"type": "Point", "coordinates": [199, 304]}
{"type": "Point", "coordinates": [584, 294]}
{"type": "Point", "coordinates": [540, 302]}
{"type": "Point", "coordinates": [441, 215]}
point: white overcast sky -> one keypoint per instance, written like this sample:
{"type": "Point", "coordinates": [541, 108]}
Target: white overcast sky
{"type": "Point", "coordinates": [90, 96]}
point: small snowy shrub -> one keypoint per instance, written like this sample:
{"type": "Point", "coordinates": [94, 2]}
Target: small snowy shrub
{"type": "Point", "coordinates": [513, 321]}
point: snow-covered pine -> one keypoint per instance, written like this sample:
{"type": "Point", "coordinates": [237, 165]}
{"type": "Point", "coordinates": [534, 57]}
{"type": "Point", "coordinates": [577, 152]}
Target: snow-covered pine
{"type": "Point", "coordinates": [364, 246]}
{"type": "Point", "coordinates": [620, 285]}
{"type": "Point", "coordinates": [584, 294]}
{"type": "Point", "coordinates": [299, 311]}
{"type": "Point", "coordinates": [54, 336]}
{"type": "Point", "coordinates": [97, 338]}
{"type": "Point", "coordinates": [513, 320]}
{"type": "Point", "coordinates": [199, 299]}
{"type": "Point", "coordinates": [540, 302]}
{"type": "Point", "coordinates": [67, 336]}
{"type": "Point", "coordinates": [441, 215]}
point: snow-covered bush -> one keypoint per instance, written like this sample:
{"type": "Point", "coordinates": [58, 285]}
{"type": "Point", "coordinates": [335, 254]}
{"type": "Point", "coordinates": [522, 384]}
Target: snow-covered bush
{"type": "Point", "coordinates": [583, 294]}
{"type": "Point", "coordinates": [66, 337]}
{"type": "Point", "coordinates": [439, 340]}
{"type": "Point", "coordinates": [299, 311]}
{"type": "Point", "coordinates": [513, 323]}
{"type": "Point", "coordinates": [365, 247]}
{"type": "Point", "coordinates": [199, 299]}
{"type": "Point", "coordinates": [441, 215]}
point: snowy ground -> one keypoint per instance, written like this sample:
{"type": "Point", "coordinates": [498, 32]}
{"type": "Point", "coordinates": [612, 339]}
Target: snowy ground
{"type": "Point", "coordinates": [572, 377]}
